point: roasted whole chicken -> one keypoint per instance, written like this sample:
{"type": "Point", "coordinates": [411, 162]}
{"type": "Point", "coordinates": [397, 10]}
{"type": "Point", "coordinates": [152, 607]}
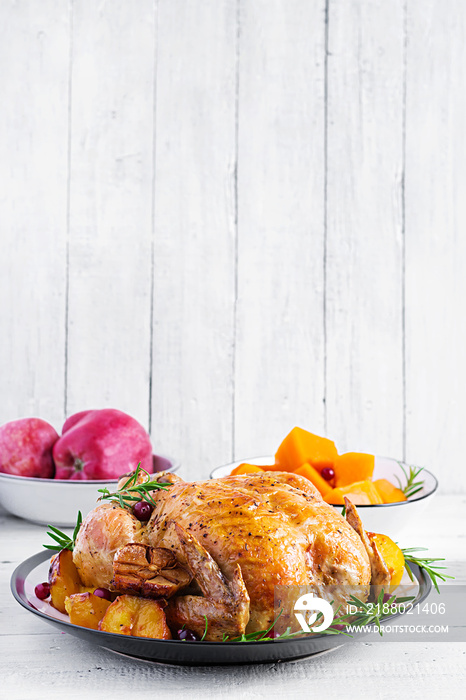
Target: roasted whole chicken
{"type": "Point", "coordinates": [217, 549]}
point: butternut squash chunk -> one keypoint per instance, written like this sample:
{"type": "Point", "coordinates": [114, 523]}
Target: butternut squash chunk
{"type": "Point", "coordinates": [361, 493]}
{"type": "Point", "coordinates": [353, 467]}
{"type": "Point", "coordinates": [247, 469]}
{"type": "Point", "coordinates": [313, 475]}
{"type": "Point", "coordinates": [388, 492]}
{"type": "Point", "coordinates": [302, 447]}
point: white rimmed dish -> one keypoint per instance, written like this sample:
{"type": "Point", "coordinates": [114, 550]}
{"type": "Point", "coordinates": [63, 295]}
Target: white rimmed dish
{"type": "Point", "coordinates": [57, 501]}
{"type": "Point", "coordinates": [388, 518]}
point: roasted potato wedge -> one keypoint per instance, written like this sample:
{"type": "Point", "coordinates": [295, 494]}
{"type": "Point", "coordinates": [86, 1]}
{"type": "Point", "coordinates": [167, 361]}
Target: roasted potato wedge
{"type": "Point", "coordinates": [86, 609]}
{"type": "Point", "coordinates": [136, 617]}
{"type": "Point", "coordinates": [64, 579]}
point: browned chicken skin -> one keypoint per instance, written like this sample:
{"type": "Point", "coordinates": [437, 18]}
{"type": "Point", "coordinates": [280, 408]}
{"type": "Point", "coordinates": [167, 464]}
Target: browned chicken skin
{"type": "Point", "coordinates": [274, 525]}
{"type": "Point", "coordinates": [107, 528]}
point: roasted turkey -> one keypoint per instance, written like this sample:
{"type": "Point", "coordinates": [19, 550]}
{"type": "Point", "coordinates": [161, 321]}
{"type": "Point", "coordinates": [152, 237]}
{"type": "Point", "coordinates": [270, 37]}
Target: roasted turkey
{"type": "Point", "coordinates": [237, 538]}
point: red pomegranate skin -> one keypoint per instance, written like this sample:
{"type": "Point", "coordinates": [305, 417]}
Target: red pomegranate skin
{"type": "Point", "coordinates": [101, 444]}
{"type": "Point", "coordinates": [26, 448]}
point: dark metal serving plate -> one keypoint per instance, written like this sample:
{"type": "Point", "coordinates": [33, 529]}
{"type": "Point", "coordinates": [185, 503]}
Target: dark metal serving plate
{"type": "Point", "coordinates": [172, 651]}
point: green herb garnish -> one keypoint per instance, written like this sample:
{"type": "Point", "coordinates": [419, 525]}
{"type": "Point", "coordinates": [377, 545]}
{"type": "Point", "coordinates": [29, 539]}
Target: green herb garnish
{"type": "Point", "coordinates": [205, 631]}
{"type": "Point", "coordinates": [261, 635]}
{"type": "Point", "coordinates": [368, 613]}
{"type": "Point", "coordinates": [63, 541]}
{"type": "Point", "coordinates": [131, 492]}
{"type": "Point", "coordinates": [412, 486]}
{"type": "Point", "coordinates": [371, 614]}
{"type": "Point", "coordinates": [427, 564]}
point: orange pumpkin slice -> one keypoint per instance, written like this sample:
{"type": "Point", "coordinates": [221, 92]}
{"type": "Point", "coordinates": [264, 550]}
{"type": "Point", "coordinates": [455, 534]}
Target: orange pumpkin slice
{"type": "Point", "coordinates": [388, 492]}
{"type": "Point", "coordinates": [313, 475]}
{"type": "Point", "coordinates": [361, 493]}
{"type": "Point", "coordinates": [302, 447]}
{"type": "Point", "coordinates": [247, 469]}
{"type": "Point", "coordinates": [353, 467]}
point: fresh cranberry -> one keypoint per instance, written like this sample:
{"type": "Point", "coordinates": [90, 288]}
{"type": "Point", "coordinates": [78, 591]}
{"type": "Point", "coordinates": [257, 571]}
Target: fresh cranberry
{"type": "Point", "coordinates": [273, 634]}
{"type": "Point", "coordinates": [143, 510]}
{"type": "Point", "coordinates": [42, 591]}
{"type": "Point", "coordinates": [187, 635]}
{"type": "Point", "coordinates": [103, 593]}
{"type": "Point", "coordinates": [327, 473]}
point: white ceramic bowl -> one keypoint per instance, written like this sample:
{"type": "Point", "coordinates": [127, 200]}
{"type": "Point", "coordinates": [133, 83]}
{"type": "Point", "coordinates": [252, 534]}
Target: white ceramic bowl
{"type": "Point", "coordinates": [388, 518]}
{"type": "Point", "coordinates": [57, 501]}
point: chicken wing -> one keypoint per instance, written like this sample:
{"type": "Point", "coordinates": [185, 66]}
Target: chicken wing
{"type": "Point", "coordinates": [380, 576]}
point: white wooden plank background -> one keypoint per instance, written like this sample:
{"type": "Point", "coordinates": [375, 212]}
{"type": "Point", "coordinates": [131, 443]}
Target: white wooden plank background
{"type": "Point", "coordinates": [364, 225]}
{"type": "Point", "coordinates": [230, 217]}
{"type": "Point", "coordinates": [194, 243]}
{"type": "Point", "coordinates": [436, 235]}
{"type": "Point", "coordinates": [34, 60]}
{"type": "Point", "coordinates": [279, 358]}
{"type": "Point", "coordinates": [110, 218]}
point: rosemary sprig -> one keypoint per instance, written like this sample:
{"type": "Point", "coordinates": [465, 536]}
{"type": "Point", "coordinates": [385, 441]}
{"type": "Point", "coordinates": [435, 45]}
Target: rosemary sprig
{"type": "Point", "coordinates": [260, 635]}
{"type": "Point", "coordinates": [366, 617]}
{"type": "Point", "coordinates": [336, 625]}
{"type": "Point", "coordinates": [412, 486]}
{"type": "Point", "coordinates": [272, 626]}
{"type": "Point", "coordinates": [427, 564]}
{"type": "Point", "coordinates": [367, 614]}
{"type": "Point", "coordinates": [206, 625]}
{"type": "Point", "coordinates": [131, 492]}
{"type": "Point", "coordinates": [62, 540]}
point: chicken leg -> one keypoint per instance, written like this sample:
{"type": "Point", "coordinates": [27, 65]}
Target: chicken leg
{"type": "Point", "coordinates": [224, 604]}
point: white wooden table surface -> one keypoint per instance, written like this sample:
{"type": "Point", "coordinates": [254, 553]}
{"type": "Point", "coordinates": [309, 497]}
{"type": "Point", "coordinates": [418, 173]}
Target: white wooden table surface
{"type": "Point", "coordinates": [38, 662]}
